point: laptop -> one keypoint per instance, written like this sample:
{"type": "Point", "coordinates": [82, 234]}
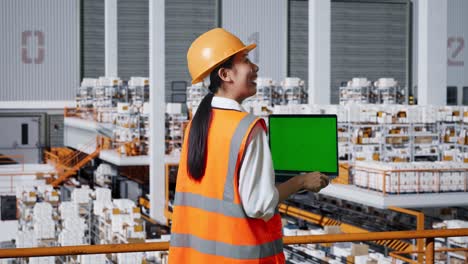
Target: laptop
{"type": "Point", "coordinates": [303, 143]}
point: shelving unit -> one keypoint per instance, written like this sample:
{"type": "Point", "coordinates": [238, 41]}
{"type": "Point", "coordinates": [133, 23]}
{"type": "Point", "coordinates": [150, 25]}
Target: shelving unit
{"type": "Point", "coordinates": [127, 130]}
{"type": "Point", "coordinates": [294, 91]}
{"type": "Point", "coordinates": [402, 142]}
{"type": "Point", "coordinates": [344, 141]}
{"type": "Point", "coordinates": [389, 92]}
{"type": "Point", "coordinates": [366, 142]}
{"type": "Point", "coordinates": [144, 129]}
{"type": "Point", "coordinates": [461, 255]}
{"type": "Point", "coordinates": [85, 211]}
{"type": "Point", "coordinates": [425, 145]}
{"type": "Point", "coordinates": [138, 92]}
{"type": "Point", "coordinates": [358, 95]}
{"type": "Point", "coordinates": [362, 91]}
{"type": "Point", "coordinates": [396, 143]}
{"type": "Point", "coordinates": [176, 122]}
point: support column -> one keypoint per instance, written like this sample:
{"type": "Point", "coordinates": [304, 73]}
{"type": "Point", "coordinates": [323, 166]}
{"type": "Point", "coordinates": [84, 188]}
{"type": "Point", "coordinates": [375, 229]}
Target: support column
{"type": "Point", "coordinates": [110, 38]}
{"type": "Point", "coordinates": [319, 51]}
{"type": "Point", "coordinates": [157, 113]}
{"type": "Point", "coordinates": [432, 52]}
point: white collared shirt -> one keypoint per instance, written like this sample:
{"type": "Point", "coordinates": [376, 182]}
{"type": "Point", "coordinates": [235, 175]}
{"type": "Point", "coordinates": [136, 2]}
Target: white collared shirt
{"type": "Point", "coordinates": [257, 190]}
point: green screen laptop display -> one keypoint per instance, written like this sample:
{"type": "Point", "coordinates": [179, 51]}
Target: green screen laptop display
{"type": "Point", "coordinates": [304, 143]}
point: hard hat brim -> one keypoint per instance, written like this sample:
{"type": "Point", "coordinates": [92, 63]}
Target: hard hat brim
{"type": "Point", "coordinates": [202, 75]}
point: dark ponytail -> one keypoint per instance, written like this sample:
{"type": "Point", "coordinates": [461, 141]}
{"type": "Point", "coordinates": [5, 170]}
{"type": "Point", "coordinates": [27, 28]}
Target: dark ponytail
{"type": "Point", "coordinates": [198, 135]}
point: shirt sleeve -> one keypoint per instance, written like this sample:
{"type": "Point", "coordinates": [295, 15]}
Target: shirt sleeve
{"type": "Point", "coordinates": [257, 189]}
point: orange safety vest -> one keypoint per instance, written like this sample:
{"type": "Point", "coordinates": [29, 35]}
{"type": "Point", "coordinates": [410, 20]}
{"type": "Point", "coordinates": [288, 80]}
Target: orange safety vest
{"type": "Point", "coordinates": [209, 224]}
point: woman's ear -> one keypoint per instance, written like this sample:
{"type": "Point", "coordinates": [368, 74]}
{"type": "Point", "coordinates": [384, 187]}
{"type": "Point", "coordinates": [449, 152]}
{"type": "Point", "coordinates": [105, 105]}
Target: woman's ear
{"type": "Point", "coordinates": [225, 74]}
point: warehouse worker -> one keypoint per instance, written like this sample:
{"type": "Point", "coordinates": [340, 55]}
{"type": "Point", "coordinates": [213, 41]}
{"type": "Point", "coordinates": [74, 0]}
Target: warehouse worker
{"type": "Point", "coordinates": [225, 207]}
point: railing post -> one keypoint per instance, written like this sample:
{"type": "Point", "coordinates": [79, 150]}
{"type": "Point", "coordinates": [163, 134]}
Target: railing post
{"type": "Point", "coordinates": [430, 250]}
{"type": "Point", "coordinates": [420, 226]}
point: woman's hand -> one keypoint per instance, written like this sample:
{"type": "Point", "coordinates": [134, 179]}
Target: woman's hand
{"type": "Point", "coordinates": [314, 181]}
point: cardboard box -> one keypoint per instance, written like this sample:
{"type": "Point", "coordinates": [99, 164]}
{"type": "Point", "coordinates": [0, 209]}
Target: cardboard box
{"type": "Point", "coordinates": [332, 230]}
{"type": "Point", "coordinates": [423, 140]}
{"type": "Point", "coordinates": [359, 249]}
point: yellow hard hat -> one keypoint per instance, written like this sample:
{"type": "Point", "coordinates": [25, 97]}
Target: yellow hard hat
{"type": "Point", "coordinates": [210, 50]}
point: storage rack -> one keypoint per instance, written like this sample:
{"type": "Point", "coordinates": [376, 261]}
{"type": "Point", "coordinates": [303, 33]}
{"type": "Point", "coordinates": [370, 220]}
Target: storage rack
{"type": "Point", "coordinates": [344, 141]}
{"type": "Point", "coordinates": [357, 95]}
{"type": "Point", "coordinates": [425, 142]}
{"type": "Point", "coordinates": [391, 95]}
{"type": "Point", "coordinates": [402, 142]}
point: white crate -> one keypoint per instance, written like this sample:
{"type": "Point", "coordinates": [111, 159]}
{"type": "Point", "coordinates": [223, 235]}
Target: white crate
{"type": "Point", "coordinates": [81, 195]}
{"type": "Point", "coordinates": [42, 210]}
{"type": "Point", "coordinates": [68, 210]}
{"type": "Point", "coordinates": [26, 239]}
{"type": "Point", "coordinates": [102, 209]}
{"type": "Point", "coordinates": [42, 260]}
{"type": "Point", "coordinates": [92, 259]}
{"type": "Point", "coordinates": [71, 237]}
{"type": "Point", "coordinates": [118, 222]}
{"type": "Point", "coordinates": [452, 224]}
{"type": "Point", "coordinates": [44, 228]}
{"type": "Point", "coordinates": [290, 230]}
{"type": "Point", "coordinates": [361, 259]}
{"type": "Point", "coordinates": [341, 249]}
{"type": "Point", "coordinates": [130, 258]}
{"type": "Point", "coordinates": [77, 224]}
{"type": "Point", "coordinates": [124, 205]}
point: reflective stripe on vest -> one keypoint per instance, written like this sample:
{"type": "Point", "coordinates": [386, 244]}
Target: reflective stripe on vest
{"type": "Point", "coordinates": [226, 250]}
{"type": "Point", "coordinates": [236, 142]}
{"type": "Point", "coordinates": [209, 204]}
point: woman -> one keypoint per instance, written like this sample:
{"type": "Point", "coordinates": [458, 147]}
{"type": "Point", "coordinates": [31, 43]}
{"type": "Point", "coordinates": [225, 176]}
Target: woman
{"type": "Point", "coordinates": [226, 200]}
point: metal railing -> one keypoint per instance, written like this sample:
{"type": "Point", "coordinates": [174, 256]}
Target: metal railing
{"type": "Point", "coordinates": [406, 248]}
{"type": "Point", "coordinates": [428, 235]}
{"type": "Point", "coordinates": [396, 254]}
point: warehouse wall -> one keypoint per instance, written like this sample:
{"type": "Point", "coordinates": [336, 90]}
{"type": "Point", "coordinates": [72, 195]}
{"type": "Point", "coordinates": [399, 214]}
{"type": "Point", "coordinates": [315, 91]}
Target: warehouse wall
{"type": "Point", "coordinates": [265, 23]}
{"type": "Point", "coordinates": [457, 52]}
{"type": "Point", "coordinates": [55, 129]}
{"type": "Point", "coordinates": [133, 38]}
{"type": "Point", "coordinates": [92, 38]}
{"type": "Point", "coordinates": [185, 20]}
{"type": "Point", "coordinates": [298, 39]}
{"type": "Point", "coordinates": [457, 42]}
{"type": "Point", "coordinates": [39, 51]}
{"type": "Point", "coordinates": [368, 39]}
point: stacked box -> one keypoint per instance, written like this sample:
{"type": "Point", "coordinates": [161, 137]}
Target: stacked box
{"type": "Point", "coordinates": [81, 195]}
{"type": "Point", "coordinates": [412, 177]}
{"type": "Point", "coordinates": [42, 260]}
{"type": "Point", "coordinates": [92, 259]}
